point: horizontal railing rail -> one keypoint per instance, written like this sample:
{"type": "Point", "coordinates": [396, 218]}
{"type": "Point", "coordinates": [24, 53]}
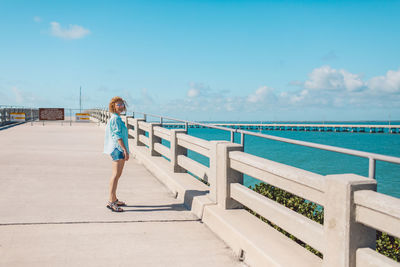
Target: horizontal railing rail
{"type": "Point", "coordinates": [195, 144]}
{"type": "Point", "coordinates": [380, 212]}
{"type": "Point", "coordinates": [303, 183]}
{"type": "Point", "coordinates": [372, 205]}
{"type": "Point", "coordinates": [310, 231]}
{"type": "Point", "coordinates": [372, 157]}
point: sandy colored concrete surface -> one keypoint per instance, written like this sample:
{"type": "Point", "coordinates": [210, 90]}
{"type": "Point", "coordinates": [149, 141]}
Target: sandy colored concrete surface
{"type": "Point", "coordinates": [54, 187]}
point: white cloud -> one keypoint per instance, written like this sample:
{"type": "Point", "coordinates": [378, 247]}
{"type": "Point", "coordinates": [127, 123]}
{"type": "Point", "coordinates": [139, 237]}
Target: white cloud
{"type": "Point", "coordinates": [37, 19]}
{"type": "Point", "coordinates": [261, 94]}
{"type": "Point", "coordinates": [352, 82]}
{"type": "Point", "coordinates": [73, 32]}
{"type": "Point", "coordinates": [328, 87]}
{"type": "Point", "coordinates": [192, 92]}
{"type": "Point", "coordinates": [326, 78]}
{"type": "Point", "coordinates": [389, 83]}
{"type": "Point", "coordinates": [296, 98]}
{"type": "Point", "coordinates": [203, 99]}
{"type": "Point", "coordinates": [198, 90]}
{"type": "Point", "coordinates": [336, 90]}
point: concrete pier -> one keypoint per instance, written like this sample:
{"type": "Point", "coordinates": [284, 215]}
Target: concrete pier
{"type": "Point", "coordinates": [55, 180]}
{"type": "Point", "coordinates": [54, 183]}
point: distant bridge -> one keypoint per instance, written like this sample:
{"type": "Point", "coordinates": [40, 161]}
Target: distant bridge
{"type": "Point", "coordinates": [354, 128]}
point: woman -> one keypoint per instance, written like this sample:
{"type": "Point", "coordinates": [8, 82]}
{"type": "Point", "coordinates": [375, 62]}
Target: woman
{"type": "Point", "coordinates": [116, 145]}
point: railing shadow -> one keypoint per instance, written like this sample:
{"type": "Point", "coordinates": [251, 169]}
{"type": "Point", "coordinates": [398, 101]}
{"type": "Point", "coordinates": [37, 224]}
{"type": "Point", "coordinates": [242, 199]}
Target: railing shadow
{"type": "Point", "coordinates": [190, 194]}
{"type": "Point", "coordinates": [152, 208]}
{"type": "Point", "coordinates": [10, 125]}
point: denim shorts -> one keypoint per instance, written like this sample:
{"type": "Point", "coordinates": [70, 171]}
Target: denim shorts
{"type": "Point", "coordinates": [117, 155]}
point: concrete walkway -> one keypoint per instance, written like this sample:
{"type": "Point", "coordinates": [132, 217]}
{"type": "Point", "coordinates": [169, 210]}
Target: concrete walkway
{"type": "Point", "coordinates": [54, 186]}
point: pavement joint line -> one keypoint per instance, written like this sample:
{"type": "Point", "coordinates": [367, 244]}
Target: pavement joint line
{"type": "Point", "coordinates": [98, 222]}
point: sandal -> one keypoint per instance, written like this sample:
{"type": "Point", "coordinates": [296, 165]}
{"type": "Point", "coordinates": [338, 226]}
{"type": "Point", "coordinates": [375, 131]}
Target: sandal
{"type": "Point", "coordinates": [120, 203]}
{"type": "Point", "coordinates": [114, 207]}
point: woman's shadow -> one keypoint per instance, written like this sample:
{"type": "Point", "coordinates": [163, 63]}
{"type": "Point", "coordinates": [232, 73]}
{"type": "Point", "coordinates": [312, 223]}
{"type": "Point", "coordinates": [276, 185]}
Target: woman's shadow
{"type": "Point", "coordinates": [186, 205]}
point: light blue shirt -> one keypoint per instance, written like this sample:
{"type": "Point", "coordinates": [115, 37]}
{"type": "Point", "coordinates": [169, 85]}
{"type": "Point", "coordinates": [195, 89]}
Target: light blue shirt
{"type": "Point", "coordinates": [115, 130]}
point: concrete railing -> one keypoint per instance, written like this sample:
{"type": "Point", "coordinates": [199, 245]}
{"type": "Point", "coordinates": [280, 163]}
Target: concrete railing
{"type": "Point", "coordinates": [177, 152]}
{"type": "Point", "coordinates": [353, 211]}
{"type": "Point", "coordinates": [102, 115]}
{"type": "Point", "coordinates": [5, 118]}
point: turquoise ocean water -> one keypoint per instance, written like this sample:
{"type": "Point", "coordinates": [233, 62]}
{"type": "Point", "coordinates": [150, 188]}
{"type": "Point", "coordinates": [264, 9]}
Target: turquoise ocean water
{"type": "Point", "coordinates": [320, 161]}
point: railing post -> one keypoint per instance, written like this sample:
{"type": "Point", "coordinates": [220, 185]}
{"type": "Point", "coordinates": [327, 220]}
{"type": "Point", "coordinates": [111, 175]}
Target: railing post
{"type": "Point", "coordinates": [342, 234]}
{"type": "Point", "coordinates": [153, 139]}
{"type": "Point", "coordinates": [371, 169]}
{"type": "Point", "coordinates": [3, 115]}
{"type": "Point", "coordinates": [226, 175]}
{"type": "Point", "coordinates": [8, 115]}
{"type": "Point", "coordinates": [176, 150]}
{"type": "Point", "coordinates": [242, 138]}
{"type": "Point", "coordinates": [137, 131]}
{"type": "Point", "coordinates": [98, 117]}
{"type": "Point", "coordinates": [212, 179]}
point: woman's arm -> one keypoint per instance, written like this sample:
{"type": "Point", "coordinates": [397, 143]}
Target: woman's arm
{"type": "Point", "coordinates": [121, 143]}
{"type": "Point", "coordinates": [116, 134]}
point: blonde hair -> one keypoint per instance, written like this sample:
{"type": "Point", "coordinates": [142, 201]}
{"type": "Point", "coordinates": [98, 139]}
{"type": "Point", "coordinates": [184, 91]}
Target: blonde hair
{"type": "Point", "coordinates": [115, 99]}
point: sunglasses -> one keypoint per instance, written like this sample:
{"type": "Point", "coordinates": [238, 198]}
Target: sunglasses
{"type": "Point", "coordinates": [120, 104]}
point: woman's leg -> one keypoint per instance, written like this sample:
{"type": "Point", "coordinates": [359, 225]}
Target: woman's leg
{"type": "Point", "coordinates": [117, 167]}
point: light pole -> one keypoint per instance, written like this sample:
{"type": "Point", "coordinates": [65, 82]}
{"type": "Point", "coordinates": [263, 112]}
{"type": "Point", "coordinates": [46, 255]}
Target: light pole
{"type": "Point", "coordinates": [80, 99]}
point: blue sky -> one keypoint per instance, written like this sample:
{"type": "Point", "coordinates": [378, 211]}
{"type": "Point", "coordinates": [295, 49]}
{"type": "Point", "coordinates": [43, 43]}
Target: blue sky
{"type": "Point", "coordinates": [206, 60]}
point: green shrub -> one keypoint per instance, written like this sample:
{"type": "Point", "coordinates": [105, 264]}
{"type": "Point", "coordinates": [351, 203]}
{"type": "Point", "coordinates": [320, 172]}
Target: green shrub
{"type": "Point", "coordinates": [388, 245]}
{"type": "Point", "coordinates": [385, 244]}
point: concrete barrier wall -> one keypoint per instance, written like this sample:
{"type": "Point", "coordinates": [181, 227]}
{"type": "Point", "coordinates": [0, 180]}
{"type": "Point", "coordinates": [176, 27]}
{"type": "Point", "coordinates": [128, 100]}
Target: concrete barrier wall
{"type": "Point", "coordinates": [353, 211]}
